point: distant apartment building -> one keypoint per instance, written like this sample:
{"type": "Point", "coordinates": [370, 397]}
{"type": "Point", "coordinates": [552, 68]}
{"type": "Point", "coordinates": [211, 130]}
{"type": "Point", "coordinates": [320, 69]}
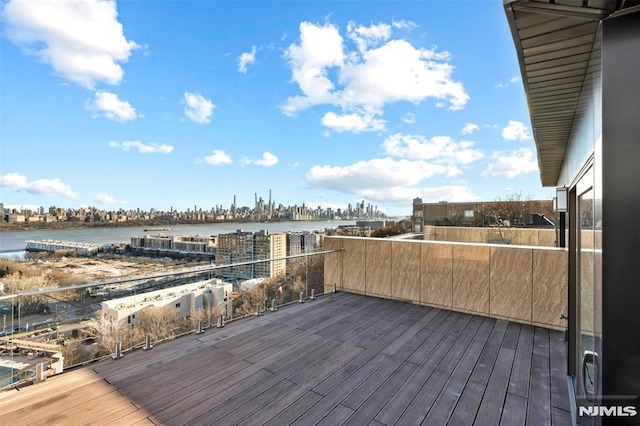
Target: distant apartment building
{"type": "Point", "coordinates": [82, 249]}
{"type": "Point", "coordinates": [242, 246]}
{"type": "Point", "coordinates": [301, 242]}
{"type": "Point", "coordinates": [182, 244]}
{"type": "Point", "coordinates": [210, 294]}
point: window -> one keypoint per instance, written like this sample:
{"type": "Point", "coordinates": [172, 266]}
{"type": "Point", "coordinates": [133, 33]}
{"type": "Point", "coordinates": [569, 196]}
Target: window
{"type": "Point", "coordinates": [468, 213]}
{"type": "Point", "coordinates": [177, 305]}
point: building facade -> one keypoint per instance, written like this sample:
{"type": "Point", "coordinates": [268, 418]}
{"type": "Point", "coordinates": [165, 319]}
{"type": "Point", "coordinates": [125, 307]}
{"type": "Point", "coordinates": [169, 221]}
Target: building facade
{"type": "Point", "coordinates": [301, 242]}
{"type": "Point", "coordinates": [181, 244]}
{"type": "Point", "coordinates": [481, 213]}
{"type": "Point", "coordinates": [211, 294]}
{"type": "Point", "coordinates": [240, 247]}
{"type": "Point", "coordinates": [580, 63]}
{"type": "Point", "coordinates": [82, 249]}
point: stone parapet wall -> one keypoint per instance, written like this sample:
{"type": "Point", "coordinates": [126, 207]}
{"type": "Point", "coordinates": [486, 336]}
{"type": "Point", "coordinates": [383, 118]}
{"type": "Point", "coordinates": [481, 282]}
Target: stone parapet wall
{"type": "Point", "coordinates": [526, 284]}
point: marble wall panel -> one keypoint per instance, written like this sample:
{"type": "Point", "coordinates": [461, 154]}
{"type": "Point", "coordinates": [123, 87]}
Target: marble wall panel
{"type": "Point", "coordinates": [455, 234]}
{"type": "Point", "coordinates": [549, 287]}
{"type": "Point", "coordinates": [510, 281]}
{"type": "Point", "coordinates": [378, 267]}
{"type": "Point", "coordinates": [332, 264]}
{"type": "Point", "coordinates": [440, 233]}
{"type": "Point", "coordinates": [353, 265]}
{"type": "Point", "coordinates": [546, 238]}
{"type": "Point", "coordinates": [517, 236]}
{"type": "Point", "coordinates": [471, 278]}
{"type": "Point", "coordinates": [528, 237]}
{"type": "Point", "coordinates": [405, 272]}
{"type": "Point", "coordinates": [479, 235]}
{"type": "Point", "coordinates": [437, 275]}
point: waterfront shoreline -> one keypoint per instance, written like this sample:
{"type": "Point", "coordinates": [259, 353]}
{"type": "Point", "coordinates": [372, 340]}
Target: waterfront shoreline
{"type": "Point", "coordinates": [54, 226]}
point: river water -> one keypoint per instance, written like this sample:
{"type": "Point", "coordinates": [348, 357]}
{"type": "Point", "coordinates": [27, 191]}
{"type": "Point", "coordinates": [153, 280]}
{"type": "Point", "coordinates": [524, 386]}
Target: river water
{"type": "Point", "coordinates": [13, 243]}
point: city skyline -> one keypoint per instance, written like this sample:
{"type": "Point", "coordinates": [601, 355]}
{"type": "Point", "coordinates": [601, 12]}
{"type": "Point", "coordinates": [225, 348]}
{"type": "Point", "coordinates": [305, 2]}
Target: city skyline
{"type": "Point", "coordinates": [261, 210]}
{"type": "Point", "coordinates": [121, 106]}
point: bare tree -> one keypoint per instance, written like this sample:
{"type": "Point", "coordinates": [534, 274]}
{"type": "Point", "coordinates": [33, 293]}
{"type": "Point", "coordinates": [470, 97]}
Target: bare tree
{"type": "Point", "coordinates": [107, 331]}
{"type": "Point", "coordinates": [161, 322]}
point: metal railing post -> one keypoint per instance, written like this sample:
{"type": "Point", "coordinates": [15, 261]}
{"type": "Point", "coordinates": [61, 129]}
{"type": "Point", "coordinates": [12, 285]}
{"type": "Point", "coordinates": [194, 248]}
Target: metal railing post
{"type": "Point", "coordinates": [220, 321]}
{"type": "Point", "coordinates": [199, 330]}
{"type": "Point", "coordinates": [147, 342]}
{"type": "Point", "coordinates": [273, 305]}
{"type": "Point", "coordinates": [118, 353]}
{"type": "Point", "coordinates": [301, 297]}
{"type": "Point", "coordinates": [313, 294]}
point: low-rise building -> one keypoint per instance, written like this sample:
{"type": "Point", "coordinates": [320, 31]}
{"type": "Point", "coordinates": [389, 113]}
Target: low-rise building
{"type": "Point", "coordinates": [82, 249]}
{"type": "Point", "coordinates": [478, 213]}
{"type": "Point", "coordinates": [210, 294]}
{"type": "Point", "coordinates": [176, 243]}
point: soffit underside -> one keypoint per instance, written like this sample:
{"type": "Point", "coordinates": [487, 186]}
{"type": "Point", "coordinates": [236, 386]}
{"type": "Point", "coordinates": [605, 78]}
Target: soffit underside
{"type": "Point", "coordinates": [555, 41]}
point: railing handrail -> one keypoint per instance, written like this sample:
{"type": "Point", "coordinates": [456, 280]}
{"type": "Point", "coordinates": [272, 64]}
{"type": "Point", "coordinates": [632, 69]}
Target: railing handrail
{"type": "Point", "coordinates": [160, 275]}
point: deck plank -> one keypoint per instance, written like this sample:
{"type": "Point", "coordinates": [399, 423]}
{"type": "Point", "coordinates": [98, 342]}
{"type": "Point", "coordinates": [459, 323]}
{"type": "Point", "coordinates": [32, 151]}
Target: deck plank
{"type": "Point", "coordinates": [445, 404]}
{"type": "Point", "coordinates": [558, 365]}
{"type": "Point", "coordinates": [521, 371]}
{"type": "Point", "coordinates": [343, 358]}
{"type": "Point", "coordinates": [494, 396]}
{"type": "Point", "coordinates": [484, 367]}
{"type": "Point", "coordinates": [539, 402]}
{"type": "Point", "coordinates": [514, 411]}
{"type": "Point", "coordinates": [467, 404]}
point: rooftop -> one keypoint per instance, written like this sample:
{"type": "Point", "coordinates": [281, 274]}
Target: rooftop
{"type": "Point", "coordinates": [343, 358]}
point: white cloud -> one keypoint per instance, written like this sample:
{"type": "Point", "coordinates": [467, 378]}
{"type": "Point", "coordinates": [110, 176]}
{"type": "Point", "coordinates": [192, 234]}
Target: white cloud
{"type": "Point", "coordinates": [81, 39]}
{"type": "Point", "coordinates": [149, 148]}
{"type": "Point", "coordinates": [103, 198]}
{"type": "Point", "coordinates": [112, 107]}
{"type": "Point", "coordinates": [18, 182]}
{"type": "Point", "coordinates": [320, 48]}
{"type": "Point", "coordinates": [245, 59]}
{"type": "Point", "coordinates": [199, 109]}
{"type": "Point", "coordinates": [354, 123]}
{"type": "Point", "coordinates": [440, 149]}
{"type": "Point", "coordinates": [217, 158]}
{"type": "Point", "coordinates": [379, 71]}
{"type": "Point", "coordinates": [373, 175]}
{"type": "Point", "coordinates": [429, 194]}
{"type": "Point", "coordinates": [516, 130]}
{"type": "Point", "coordinates": [469, 128]}
{"type": "Point", "coordinates": [512, 164]}
{"type": "Point", "coordinates": [386, 180]}
{"type": "Point", "coordinates": [409, 118]}
{"type": "Point", "coordinates": [365, 37]}
{"type": "Point", "coordinates": [511, 81]}
{"type": "Point", "coordinates": [267, 160]}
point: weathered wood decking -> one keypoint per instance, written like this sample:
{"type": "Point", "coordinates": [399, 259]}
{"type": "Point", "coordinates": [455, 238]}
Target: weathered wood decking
{"type": "Point", "coordinates": [340, 359]}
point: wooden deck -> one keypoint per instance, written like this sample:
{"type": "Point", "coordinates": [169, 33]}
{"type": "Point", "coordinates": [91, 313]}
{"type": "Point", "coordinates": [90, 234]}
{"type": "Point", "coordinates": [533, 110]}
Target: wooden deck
{"type": "Point", "coordinates": [340, 359]}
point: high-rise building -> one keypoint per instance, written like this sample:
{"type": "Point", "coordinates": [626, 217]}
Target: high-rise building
{"type": "Point", "coordinates": [241, 246]}
{"type": "Point", "coordinates": [301, 242]}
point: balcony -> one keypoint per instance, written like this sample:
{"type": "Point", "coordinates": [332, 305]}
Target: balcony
{"type": "Point", "coordinates": [418, 332]}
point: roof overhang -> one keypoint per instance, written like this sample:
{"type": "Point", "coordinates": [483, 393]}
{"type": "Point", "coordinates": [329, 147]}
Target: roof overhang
{"type": "Point", "coordinates": [555, 40]}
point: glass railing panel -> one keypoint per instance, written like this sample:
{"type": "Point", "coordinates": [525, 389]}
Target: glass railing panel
{"type": "Point", "coordinates": [47, 327]}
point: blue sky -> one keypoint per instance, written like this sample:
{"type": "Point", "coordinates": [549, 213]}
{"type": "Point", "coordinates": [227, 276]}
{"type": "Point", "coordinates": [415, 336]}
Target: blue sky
{"type": "Point", "coordinates": [137, 104]}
